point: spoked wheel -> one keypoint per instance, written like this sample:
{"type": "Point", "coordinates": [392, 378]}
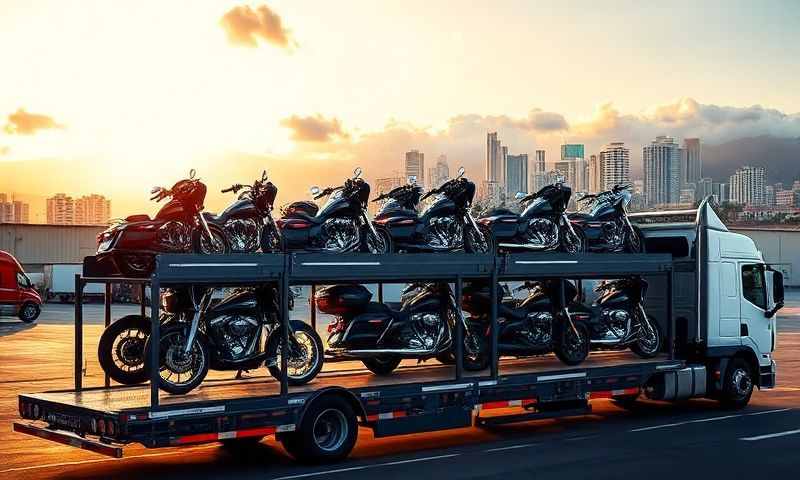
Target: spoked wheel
{"type": "Point", "coordinates": [481, 241]}
{"type": "Point", "coordinates": [573, 240]}
{"type": "Point", "coordinates": [380, 245]}
{"type": "Point", "coordinates": [121, 350]}
{"type": "Point", "coordinates": [574, 346]}
{"type": "Point", "coordinates": [180, 372]}
{"type": "Point", "coordinates": [305, 359]}
{"type": "Point", "coordinates": [634, 241]}
{"type": "Point", "coordinates": [270, 239]}
{"type": "Point", "coordinates": [384, 365]}
{"type": "Point", "coordinates": [29, 312]}
{"type": "Point", "coordinates": [649, 343]}
{"type": "Point", "coordinates": [217, 243]}
{"type": "Point", "coordinates": [476, 351]}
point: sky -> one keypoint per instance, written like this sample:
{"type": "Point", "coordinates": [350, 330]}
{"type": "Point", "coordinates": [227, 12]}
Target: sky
{"type": "Point", "coordinates": [114, 97]}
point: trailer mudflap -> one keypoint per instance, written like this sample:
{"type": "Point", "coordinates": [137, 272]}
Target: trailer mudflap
{"type": "Point", "coordinates": [68, 438]}
{"type": "Point", "coordinates": [442, 419]}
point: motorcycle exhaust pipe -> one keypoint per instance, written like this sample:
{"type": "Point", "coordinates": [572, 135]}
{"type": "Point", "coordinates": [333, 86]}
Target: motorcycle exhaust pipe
{"type": "Point", "coordinates": [523, 246]}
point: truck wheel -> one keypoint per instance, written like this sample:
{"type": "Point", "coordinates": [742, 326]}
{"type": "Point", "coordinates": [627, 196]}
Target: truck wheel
{"type": "Point", "coordinates": [738, 385]}
{"type": "Point", "coordinates": [327, 432]}
{"type": "Point", "coordinates": [29, 312]}
{"type": "Point", "coordinates": [121, 350]}
{"type": "Point", "coordinates": [381, 365]}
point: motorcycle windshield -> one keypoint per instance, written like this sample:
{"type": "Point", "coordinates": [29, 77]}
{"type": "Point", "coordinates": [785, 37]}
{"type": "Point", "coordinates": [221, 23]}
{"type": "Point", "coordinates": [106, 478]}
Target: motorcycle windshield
{"type": "Point", "coordinates": [390, 205]}
{"type": "Point", "coordinates": [438, 201]}
{"type": "Point", "coordinates": [537, 205]}
{"type": "Point", "coordinates": [333, 200]}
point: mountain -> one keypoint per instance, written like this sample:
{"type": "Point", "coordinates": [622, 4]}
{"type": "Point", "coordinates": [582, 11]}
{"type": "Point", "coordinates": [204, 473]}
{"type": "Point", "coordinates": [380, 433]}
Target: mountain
{"type": "Point", "coordinates": [779, 156]}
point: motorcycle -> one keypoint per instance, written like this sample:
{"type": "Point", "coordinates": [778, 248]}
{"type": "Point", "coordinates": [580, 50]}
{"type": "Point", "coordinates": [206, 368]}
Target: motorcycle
{"type": "Point", "coordinates": [445, 225]}
{"type": "Point", "coordinates": [542, 226]}
{"type": "Point", "coordinates": [380, 336]}
{"type": "Point", "coordinates": [248, 221]}
{"type": "Point", "coordinates": [618, 320]}
{"type": "Point", "coordinates": [131, 245]}
{"type": "Point", "coordinates": [240, 332]}
{"type": "Point", "coordinates": [606, 226]}
{"type": "Point", "coordinates": [536, 325]}
{"type": "Point", "coordinates": [342, 225]}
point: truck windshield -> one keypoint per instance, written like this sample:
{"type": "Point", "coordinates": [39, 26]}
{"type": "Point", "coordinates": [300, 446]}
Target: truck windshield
{"type": "Point", "coordinates": [23, 280]}
{"type": "Point", "coordinates": [753, 285]}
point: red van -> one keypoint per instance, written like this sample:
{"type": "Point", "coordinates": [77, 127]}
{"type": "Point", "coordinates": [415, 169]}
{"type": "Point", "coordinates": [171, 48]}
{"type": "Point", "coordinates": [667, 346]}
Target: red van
{"type": "Point", "coordinates": [16, 289]}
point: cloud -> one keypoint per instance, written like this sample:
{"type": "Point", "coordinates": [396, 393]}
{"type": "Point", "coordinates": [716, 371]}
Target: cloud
{"type": "Point", "coordinates": [546, 121]}
{"type": "Point", "coordinates": [4, 149]}
{"type": "Point", "coordinates": [25, 123]}
{"type": "Point", "coordinates": [314, 128]}
{"type": "Point", "coordinates": [245, 26]}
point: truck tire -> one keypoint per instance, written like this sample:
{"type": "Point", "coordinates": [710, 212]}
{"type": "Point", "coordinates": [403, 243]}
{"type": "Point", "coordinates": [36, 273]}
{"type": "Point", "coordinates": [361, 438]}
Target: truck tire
{"type": "Point", "coordinates": [381, 365]}
{"type": "Point", "coordinates": [326, 433]}
{"type": "Point", "coordinates": [29, 312]}
{"type": "Point", "coordinates": [738, 384]}
{"type": "Point", "coordinates": [124, 361]}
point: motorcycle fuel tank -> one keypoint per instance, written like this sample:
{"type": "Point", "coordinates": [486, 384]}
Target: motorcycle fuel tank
{"type": "Point", "coordinates": [174, 209]}
{"type": "Point", "coordinates": [240, 302]}
{"type": "Point", "coordinates": [243, 208]}
{"type": "Point", "coordinates": [440, 207]}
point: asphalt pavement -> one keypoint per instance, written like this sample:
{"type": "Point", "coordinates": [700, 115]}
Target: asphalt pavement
{"type": "Point", "coordinates": [691, 439]}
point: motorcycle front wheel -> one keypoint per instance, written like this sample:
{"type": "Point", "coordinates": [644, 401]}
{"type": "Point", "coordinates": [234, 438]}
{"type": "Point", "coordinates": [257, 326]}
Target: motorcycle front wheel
{"type": "Point", "coordinates": [649, 343]}
{"type": "Point", "coordinates": [380, 245]}
{"type": "Point", "coordinates": [305, 358]}
{"type": "Point", "coordinates": [180, 372]}
{"type": "Point", "coordinates": [634, 241]}
{"type": "Point", "coordinates": [573, 348]}
{"type": "Point", "coordinates": [216, 244]}
{"type": "Point", "coordinates": [573, 243]}
{"type": "Point", "coordinates": [481, 241]}
{"type": "Point", "coordinates": [270, 240]}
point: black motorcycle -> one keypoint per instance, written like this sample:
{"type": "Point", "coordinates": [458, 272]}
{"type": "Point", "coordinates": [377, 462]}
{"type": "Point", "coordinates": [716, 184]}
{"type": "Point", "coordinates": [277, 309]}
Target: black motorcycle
{"type": "Point", "coordinates": [341, 225]}
{"type": "Point", "coordinates": [536, 325]}
{"type": "Point", "coordinates": [248, 221]}
{"type": "Point", "coordinates": [380, 336]}
{"type": "Point", "coordinates": [618, 320]}
{"type": "Point", "coordinates": [240, 332]}
{"type": "Point", "coordinates": [606, 226]}
{"type": "Point", "coordinates": [130, 246]}
{"type": "Point", "coordinates": [542, 226]}
{"type": "Point", "coordinates": [445, 225]}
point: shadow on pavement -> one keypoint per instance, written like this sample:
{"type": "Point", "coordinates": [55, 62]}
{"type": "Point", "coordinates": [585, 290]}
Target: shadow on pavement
{"type": "Point", "coordinates": [10, 326]}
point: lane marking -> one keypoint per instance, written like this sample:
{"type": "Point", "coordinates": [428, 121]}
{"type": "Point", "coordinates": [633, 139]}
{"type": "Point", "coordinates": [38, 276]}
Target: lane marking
{"type": "Point", "coordinates": [183, 451]}
{"type": "Point", "coordinates": [704, 420]}
{"type": "Point", "coordinates": [770, 435]}
{"type": "Point", "coordinates": [364, 467]}
{"type": "Point", "coordinates": [512, 447]}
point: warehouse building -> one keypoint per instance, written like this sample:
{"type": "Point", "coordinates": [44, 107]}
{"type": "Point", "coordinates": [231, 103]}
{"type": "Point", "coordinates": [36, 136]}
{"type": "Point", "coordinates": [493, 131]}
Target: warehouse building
{"type": "Point", "coordinates": [37, 245]}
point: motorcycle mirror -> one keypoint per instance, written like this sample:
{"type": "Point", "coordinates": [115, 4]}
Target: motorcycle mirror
{"type": "Point", "coordinates": [191, 174]}
{"type": "Point", "coordinates": [155, 190]}
{"type": "Point", "coordinates": [461, 172]}
{"type": "Point", "coordinates": [519, 195]}
{"type": "Point", "coordinates": [357, 172]}
{"type": "Point", "coordinates": [264, 175]}
{"type": "Point", "coordinates": [315, 190]}
{"type": "Point", "coordinates": [412, 179]}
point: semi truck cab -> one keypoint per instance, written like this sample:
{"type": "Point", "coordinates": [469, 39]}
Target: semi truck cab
{"type": "Point", "coordinates": [17, 291]}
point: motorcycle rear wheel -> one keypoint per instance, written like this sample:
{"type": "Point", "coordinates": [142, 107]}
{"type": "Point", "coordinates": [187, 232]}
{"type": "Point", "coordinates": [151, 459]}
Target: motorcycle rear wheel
{"type": "Point", "coordinates": [381, 365]}
{"type": "Point", "coordinates": [121, 350]}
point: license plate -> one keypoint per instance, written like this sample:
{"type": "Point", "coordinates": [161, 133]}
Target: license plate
{"type": "Point", "coordinates": [66, 421]}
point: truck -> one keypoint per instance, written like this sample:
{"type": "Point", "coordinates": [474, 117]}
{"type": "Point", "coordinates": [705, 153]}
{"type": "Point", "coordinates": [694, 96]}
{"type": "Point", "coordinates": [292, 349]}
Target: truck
{"type": "Point", "coordinates": [711, 293]}
{"type": "Point", "coordinates": [18, 296]}
{"type": "Point", "coordinates": [59, 282]}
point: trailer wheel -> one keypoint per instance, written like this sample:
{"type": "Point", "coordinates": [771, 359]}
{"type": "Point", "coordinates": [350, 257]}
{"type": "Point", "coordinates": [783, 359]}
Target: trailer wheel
{"type": "Point", "coordinates": [738, 385]}
{"type": "Point", "coordinates": [29, 312]}
{"type": "Point", "coordinates": [381, 365]}
{"type": "Point", "coordinates": [327, 432]}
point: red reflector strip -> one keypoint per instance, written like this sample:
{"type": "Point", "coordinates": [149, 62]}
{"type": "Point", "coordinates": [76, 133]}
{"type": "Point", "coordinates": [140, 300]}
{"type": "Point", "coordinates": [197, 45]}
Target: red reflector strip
{"type": "Point", "coordinates": [614, 393]}
{"type": "Point", "coordinates": [505, 404]}
{"type": "Point", "coordinates": [213, 437]}
{"type": "Point", "coordinates": [386, 416]}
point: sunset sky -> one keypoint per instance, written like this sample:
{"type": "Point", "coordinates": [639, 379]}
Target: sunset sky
{"type": "Point", "coordinates": [114, 97]}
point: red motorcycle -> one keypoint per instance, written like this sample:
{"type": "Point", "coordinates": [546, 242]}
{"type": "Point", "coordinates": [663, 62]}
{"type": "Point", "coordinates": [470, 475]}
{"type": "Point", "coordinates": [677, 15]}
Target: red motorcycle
{"type": "Point", "coordinates": [130, 246]}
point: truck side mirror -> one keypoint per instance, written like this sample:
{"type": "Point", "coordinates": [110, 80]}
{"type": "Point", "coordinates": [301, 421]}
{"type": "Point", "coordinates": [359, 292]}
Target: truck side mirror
{"type": "Point", "coordinates": [775, 293]}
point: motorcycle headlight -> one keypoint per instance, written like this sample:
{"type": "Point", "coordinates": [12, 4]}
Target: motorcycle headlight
{"type": "Point", "coordinates": [105, 241]}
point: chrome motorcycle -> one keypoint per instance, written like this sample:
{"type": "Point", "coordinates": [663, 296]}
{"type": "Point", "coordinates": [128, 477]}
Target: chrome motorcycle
{"type": "Point", "coordinates": [606, 226]}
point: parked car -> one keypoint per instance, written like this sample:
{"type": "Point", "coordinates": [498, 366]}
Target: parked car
{"type": "Point", "coordinates": [17, 290]}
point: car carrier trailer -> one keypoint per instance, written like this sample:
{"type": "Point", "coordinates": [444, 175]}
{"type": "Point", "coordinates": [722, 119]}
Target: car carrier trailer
{"type": "Point", "coordinates": [318, 421]}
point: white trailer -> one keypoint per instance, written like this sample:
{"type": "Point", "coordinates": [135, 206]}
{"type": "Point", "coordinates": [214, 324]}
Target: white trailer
{"type": "Point", "coordinates": [59, 282]}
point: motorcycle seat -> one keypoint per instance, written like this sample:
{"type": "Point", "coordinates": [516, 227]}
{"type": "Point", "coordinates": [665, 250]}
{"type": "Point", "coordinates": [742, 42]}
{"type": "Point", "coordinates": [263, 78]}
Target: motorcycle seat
{"type": "Point", "coordinates": [142, 217]}
{"type": "Point", "coordinates": [580, 216]}
{"type": "Point", "coordinates": [211, 217]}
{"type": "Point", "coordinates": [304, 216]}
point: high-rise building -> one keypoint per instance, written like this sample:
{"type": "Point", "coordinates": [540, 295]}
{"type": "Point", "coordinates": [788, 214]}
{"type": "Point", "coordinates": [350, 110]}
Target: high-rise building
{"type": "Point", "coordinates": [747, 186]}
{"type": "Point", "coordinates": [13, 211]}
{"type": "Point", "coordinates": [595, 173]}
{"type": "Point", "coordinates": [574, 167]}
{"type": "Point", "coordinates": [516, 174]}
{"type": "Point", "coordinates": [720, 192]}
{"type": "Point", "coordinates": [92, 210]}
{"type": "Point", "coordinates": [572, 150]}
{"type": "Point", "coordinates": [385, 185]}
{"type": "Point", "coordinates": [440, 173]}
{"type": "Point", "coordinates": [60, 210]}
{"type": "Point", "coordinates": [495, 160]}
{"type": "Point", "coordinates": [786, 198]}
{"type": "Point", "coordinates": [703, 188]}
{"type": "Point", "coordinates": [769, 196]}
{"type": "Point", "coordinates": [687, 195]}
{"type": "Point", "coordinates": [492, 193]}
{"type": "Point", "coordinates": [615, 166]}
{"type": "Point", "coordinates": [662, 171]}
{"type": "Point", "coordinates": [539, 166]}
{"type": "Point", "coordinates": [415, 166]}
{"type": "Point", "coordinates": [692, 161]}
{"type": "Point", "coordinates": [22, 212]}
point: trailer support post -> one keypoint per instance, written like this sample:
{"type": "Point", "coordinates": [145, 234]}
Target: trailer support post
{"type": "Point", "coordinates": [142, 299]}
{"type": "Point", "coordinates": [670, 316]}
{"type": "Point", "coordinates": [284, 296]}
{"type": "Point", "coordinates": [155, 337]}
{"type": "Point", "coordinates": [459, 332]}
{"type": "Point", "coordinates": [107, 322]}
{"type": "Point", "coordinates": [494, 370]}
{"type": "Point", "coordinates": [312, 305]}
{"type": "Point", "coordinates": [78, 333]}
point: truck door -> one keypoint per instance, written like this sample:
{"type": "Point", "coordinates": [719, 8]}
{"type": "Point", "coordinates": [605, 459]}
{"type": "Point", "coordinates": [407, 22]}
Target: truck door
{"type": "Point", "coordinates": [756, 327]}
{"type": "Point", "coordinates": [8, 286]}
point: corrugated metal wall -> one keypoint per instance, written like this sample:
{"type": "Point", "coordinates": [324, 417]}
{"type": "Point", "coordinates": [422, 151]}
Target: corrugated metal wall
{"type": "Point", "coordinates": [37, 245]}
{"type": "Point", "coordinates": [779, 247]}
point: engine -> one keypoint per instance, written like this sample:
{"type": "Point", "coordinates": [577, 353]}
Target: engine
{"type": "Point", "coordinates": [175, 236]}
{"type": "Point", "coordinates": [542, 232]}
{"type": "Point", "coordinates": [424, 331]}
{"type": "Point", "coordinates": [243, 234]}
{"type": "Point", "coordinates": [539, 331]}
{"type": "Point", "coordinates": [614, 235]}
{"type": "Point", "coordinates": [340, 234]}
{"type": "Point", "coordinates": [617, 323]}
{"type": "Point", "coordinates": [236, 336]}
{"type": "Point", "coordinates": [445, 232]}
